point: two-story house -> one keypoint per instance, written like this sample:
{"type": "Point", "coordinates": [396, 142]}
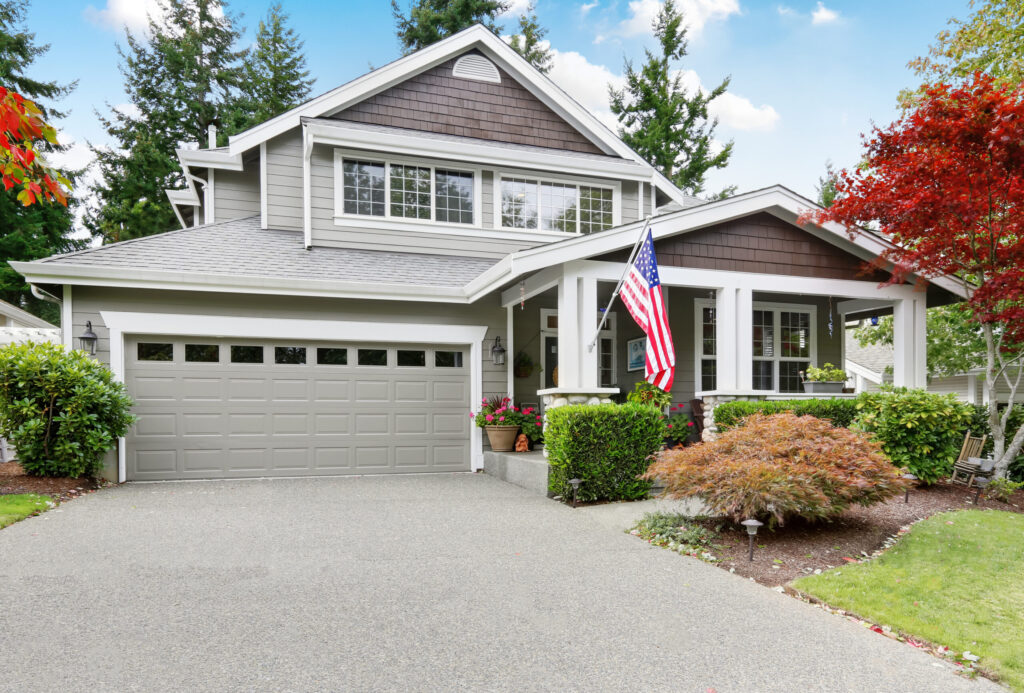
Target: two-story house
{"type": "Point", "coordinates": [348, 274]}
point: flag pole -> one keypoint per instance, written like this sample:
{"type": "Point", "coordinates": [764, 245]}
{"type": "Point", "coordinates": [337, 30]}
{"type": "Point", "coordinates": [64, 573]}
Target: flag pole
{"type": "Point", "coordinates": [618, 287]}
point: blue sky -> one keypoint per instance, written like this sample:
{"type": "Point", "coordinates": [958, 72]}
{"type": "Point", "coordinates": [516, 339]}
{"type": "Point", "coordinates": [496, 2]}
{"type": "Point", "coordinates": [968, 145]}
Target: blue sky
{"type": "Point", "coordinates": [807, 77]}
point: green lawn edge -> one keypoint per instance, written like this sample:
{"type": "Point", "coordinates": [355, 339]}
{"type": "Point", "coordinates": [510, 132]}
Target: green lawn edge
{"type": "Point", "coordinates": [18, 506]}
{"type": "Point", "coordinates": [955, 579]}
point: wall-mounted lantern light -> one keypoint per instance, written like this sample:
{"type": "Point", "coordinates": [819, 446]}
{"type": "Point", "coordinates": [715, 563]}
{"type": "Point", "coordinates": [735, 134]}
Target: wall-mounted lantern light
{"type": "Point", "coordinates": [88, 339]}
{"type": "Point", "coordinates": [498, 352]}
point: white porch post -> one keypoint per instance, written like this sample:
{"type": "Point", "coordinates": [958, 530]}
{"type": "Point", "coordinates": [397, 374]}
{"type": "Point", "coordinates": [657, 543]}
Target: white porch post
{"type": "Point", "coordinates": [920, 341]}
{"type": "Point", "coordinates": [744, 339]}
{"type": "Point", "coordinates": [726, 338]}
{"type": "Point", "coordinates": [510, 353]}
{"type": "Point", "coordinates": [587, 319]}
{"type": "Point", "coordinates": [904, 370]}
{"type": "Point", "coordinates": [568, 330]}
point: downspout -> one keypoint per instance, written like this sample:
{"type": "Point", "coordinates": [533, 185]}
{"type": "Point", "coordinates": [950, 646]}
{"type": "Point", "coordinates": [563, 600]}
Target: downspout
{"type": "Point", "coordinates": [43, 295]}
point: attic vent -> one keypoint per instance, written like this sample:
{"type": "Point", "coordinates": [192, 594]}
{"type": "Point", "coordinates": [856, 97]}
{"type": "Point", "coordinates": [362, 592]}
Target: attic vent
{"type": "Point", "coordinates": [476, 67]}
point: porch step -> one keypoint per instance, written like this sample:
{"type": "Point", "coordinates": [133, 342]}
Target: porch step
{"type": "Point", "coordinates": [526, 469]}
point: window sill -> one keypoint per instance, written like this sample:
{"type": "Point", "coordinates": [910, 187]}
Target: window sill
{"type": "Point", "coordinates": [419, 226]}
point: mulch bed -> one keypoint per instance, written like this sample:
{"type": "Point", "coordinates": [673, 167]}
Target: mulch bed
{"type": "Point", "coordinates": [799, 548]}
{"type": "Point", "coordinates": [13, 479]}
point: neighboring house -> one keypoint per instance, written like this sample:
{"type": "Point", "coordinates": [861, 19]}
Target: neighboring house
{"type": "Point", "coordinates": [349, 271]}
{"type": "Point", "coordinates": [870, 366]}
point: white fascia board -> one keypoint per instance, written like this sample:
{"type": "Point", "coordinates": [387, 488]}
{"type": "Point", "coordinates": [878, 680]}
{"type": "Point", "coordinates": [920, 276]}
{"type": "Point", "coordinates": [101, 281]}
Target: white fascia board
{"type": "Point", "coordinates": [210, 158]}
{"type": "Point", "coordinates": [49, 273]}
{"type": "Point", "coordinates": [414, 145]}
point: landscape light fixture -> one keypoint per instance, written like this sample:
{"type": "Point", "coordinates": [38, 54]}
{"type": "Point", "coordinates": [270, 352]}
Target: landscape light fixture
{"type": "Point", "coordinates": [575, 483]}
{"type": "Point", "coordinates": [498, 352]}
{"type": "Point", "coordinates": [88, 339]}
{"type": "Point", "coordinates": [751, 526]}
{"type": "Point", "coordinates": [909, 477]}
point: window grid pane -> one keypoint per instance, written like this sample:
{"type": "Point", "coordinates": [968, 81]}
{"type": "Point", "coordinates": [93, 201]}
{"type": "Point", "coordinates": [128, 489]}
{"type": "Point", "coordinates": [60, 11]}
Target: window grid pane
{"type": "Point", "coordinates": [795, 335]}
{"type": "Point", "coordinates": [708, 374]}
{"type": "Point", "coordinates": [558, 207]}
{"type": "Point", "coordinates": [605, 362]}
{"type": "Point", "coordinates": [789, 375]}
{"type": "Point", "coordinates": [709, 340]}
{"type": "Point", "coordinates": [763, 375]}
{"type": "Point", "coordinates": [595, 209]}
{"type": "Point", "coordinates": [453, 197]}
{"type": "Point", "coordinates": [363, 188]}
{"type": "Point", "coordinates": [518, 203]}
{"type": "Point", "coordinates": [410, 191]}
{"type": "Point", "coordinates": [764, 333]}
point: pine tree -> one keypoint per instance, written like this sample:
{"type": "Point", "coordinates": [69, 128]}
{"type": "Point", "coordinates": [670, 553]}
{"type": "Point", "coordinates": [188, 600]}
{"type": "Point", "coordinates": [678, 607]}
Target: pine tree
{"type": "Point", "coordinates": [429, 21]}
{"type": "Point", "coordinates": [182, 77]}
{"type": "Point", "coordinates": [826, 187]}
{"type": "Point", "coordinates": [274, 74]}
{"type": "Point", "coordinates": [30, 233]}
{"type": "Point", "coordinates": [527, 42]}
{"type": "Point", "coordinates": [660, 119]}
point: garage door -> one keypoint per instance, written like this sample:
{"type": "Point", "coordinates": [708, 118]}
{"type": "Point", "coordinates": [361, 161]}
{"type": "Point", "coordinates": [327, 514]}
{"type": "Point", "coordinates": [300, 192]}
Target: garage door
{"type": "Point", "coordinates": [211, 408]}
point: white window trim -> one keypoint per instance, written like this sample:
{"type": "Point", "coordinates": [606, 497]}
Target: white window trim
{"type": "Point", "coordinates": [364, 220]}
{"type": "Point", "coordinates": [610, 331]}
{"type": "Point", "coordinates": [698, 324]}
{"type": "Point", "coordinates": [121, 324]}
{"type": "Point", "coordinates": [614, 186]}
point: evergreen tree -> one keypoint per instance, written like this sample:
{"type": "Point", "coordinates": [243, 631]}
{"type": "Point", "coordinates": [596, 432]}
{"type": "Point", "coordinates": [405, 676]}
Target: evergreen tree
{"type": "Point", "coordinates": [274, 74]}
{"type": "Point", "coordinates": [660, 119]}
{"type": "Point", "coordinates": [826, 187]}
{"type": "Point", "coordinates": [527, 42]}
{"type": "Point", "coordinates": [182, 77]}
{"type": "Point", "coordinates": [30, 233]}
{"type": "Point", "coordinates": [429, 21]}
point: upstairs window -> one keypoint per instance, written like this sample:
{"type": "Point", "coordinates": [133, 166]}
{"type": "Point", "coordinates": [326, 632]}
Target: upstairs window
{"type": "Point", "coordinates": [528, 203]}
{"type": "Point", "coordinates": [402, 190]}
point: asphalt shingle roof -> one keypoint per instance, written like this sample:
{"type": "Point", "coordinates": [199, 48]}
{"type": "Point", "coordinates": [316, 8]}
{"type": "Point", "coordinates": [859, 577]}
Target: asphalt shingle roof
{"type": "Point", "coordinates": [241, 248]}
{"type": "Point", "coordinates": [874, 357]}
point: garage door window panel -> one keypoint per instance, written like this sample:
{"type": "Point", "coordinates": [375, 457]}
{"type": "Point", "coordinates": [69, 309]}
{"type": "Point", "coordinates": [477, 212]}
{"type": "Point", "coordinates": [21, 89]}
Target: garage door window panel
{"type": "Point", "coordinates": [202, 353]}
{"type": "Point", "coordinates": [373, 357]}
{"type": "Point", "coordinates": [246, 354]}
{"type": "Point", "coordinates": [290, 356]}
{"type": "Point", "coordinates": [329, 356]}
{"type": "Point", "coordinates": [155, 351]}
{"type": "Point", "coordinates": [412, 358]}
{"type": "Point", "coordinates": [448, 359]}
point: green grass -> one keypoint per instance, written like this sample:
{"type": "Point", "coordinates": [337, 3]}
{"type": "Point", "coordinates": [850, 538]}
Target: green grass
{"type": "Point", "coordinates": [19, 506]}
{"type": "Point", "coordinates": [956, 579]}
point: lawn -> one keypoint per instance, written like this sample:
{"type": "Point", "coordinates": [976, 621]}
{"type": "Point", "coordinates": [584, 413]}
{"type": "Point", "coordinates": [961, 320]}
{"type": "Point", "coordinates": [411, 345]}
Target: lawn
{"type": "Point", "coordinates": [956, 579]}
{"type": "Point", "coordinates": [19, 506]}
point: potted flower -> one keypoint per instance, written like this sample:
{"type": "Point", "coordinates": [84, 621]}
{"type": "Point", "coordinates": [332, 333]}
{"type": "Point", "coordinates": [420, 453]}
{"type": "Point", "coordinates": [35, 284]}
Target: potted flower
{"type": "Point", "coordinates": [497, 417]}
{"type": "Point", "coordinates": [680, 427]}
{"type": "Point", "coordinates": [522, 366]}
{"type": "Point", "coordinates": [827, 379]}
{"type": "Point", "coordinates": [531, 423]}
{"type": "Point", "coordinates": [646, 393]}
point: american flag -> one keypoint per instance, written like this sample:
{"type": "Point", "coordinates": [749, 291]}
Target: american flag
{"type": "Point", "coordinates": [641, 292]}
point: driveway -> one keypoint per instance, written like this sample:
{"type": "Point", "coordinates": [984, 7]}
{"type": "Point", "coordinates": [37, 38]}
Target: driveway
{"type": "Point", "coordinates": [399, 583]}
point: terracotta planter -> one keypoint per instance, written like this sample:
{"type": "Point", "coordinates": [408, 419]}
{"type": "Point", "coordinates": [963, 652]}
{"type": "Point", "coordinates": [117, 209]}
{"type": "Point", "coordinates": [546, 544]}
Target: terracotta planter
{"type": "Point", "coordinates": [502, 438]}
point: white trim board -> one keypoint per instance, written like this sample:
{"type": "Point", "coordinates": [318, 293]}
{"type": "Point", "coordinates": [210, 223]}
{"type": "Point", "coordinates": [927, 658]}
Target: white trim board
{"type": "Point", "coordinates": [121, 324]}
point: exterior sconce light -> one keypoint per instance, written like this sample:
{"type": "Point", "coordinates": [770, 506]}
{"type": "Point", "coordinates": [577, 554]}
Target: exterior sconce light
{"type": "Point", "coordinates": [498, 352]}
{"type": "Point", "coordinates": [88, 339]}
{"type": "Point", "coordinates": [909, 477]}
{"type": "Point", "coordinates": [751, 526]}
{"type": "Point", "coordinates": [575, 483]}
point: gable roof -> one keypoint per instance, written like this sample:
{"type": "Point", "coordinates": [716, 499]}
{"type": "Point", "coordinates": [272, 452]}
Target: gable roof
{"type": "Point", "coordinates": [23, 317]}
{"type": "Point", "coordinates": [475, 37]}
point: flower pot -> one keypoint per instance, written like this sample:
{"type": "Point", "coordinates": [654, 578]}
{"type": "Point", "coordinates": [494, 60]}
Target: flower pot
{"type": "Point", "coordinates": [502, 438]}
{"type": "Point", "coordinates": [823, 386]}
{"type": "Point", "coordinates": [524, 371]}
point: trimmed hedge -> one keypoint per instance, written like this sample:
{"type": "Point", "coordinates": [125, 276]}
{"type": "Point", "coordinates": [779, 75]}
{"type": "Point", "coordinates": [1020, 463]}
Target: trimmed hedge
{"type": "Point", "coordinates": [608, 446]}
{"type": "Point", "coordinates": [841, 412]}
{"type": "Point", "coordinates": [60, 409]}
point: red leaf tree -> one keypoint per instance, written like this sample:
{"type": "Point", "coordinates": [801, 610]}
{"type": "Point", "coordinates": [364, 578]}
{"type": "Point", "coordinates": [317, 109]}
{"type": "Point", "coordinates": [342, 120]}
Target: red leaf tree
{"type": "Point", "coordinates": [945, 183]}
{"type": "Point", "coordinates": [21, 125]}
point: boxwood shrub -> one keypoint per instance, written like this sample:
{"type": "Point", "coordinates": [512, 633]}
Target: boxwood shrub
{"type": "Point", "coordinates": [841, 412]}
{"type": "Point", "coordinates": [608, 446]}
{"type": "Point", "coordinates": [60, 409]}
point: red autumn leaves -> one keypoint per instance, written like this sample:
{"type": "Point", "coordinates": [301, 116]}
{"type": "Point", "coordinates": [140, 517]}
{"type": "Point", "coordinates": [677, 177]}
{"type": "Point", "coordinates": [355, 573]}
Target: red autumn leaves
{"type": "Point", "coordinates": [21, 125]}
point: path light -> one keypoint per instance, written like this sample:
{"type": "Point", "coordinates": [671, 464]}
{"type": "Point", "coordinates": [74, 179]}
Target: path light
{"type": "Point", "coordinates": [909, 477]}
{"type": "Point", "coordinates": [751, 526]}
{"type": "Point", "coordinates": [498, 352]}
{"type": "Point", "coordinates": [575, 483]}
{"type": "Point", "coordinates": [88, 339]}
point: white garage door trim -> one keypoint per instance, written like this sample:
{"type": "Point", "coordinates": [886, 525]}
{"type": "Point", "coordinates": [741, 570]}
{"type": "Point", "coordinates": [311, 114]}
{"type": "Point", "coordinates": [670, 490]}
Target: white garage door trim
{"type": "Point", "coordinates": [121, 323]}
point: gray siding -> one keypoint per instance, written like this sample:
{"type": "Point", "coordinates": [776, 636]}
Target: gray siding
{"type": "Point", "coordinates": [487, 199]}
{"type": "Point", "coordinates": [284, 181]}
{"type": "Point", "coordinates": [630, 198]}
{"type": "Point", "coordinates": [237, 193]}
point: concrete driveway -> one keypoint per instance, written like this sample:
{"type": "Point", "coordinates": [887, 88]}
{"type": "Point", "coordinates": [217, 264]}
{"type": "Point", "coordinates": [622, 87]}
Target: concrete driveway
{"type": "Point", "coordinates": [399, 583]}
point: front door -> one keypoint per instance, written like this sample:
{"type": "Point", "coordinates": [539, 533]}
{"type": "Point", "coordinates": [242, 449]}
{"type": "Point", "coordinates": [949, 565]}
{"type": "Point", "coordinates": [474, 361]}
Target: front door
{"type": "Point", "coordinates": [550, 360]}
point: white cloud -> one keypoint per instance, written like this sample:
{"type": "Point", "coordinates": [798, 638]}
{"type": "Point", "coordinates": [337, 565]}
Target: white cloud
{"type": "Point", "coordinates": [738, 113]}
{"type": "Point", "coordinates": [118, 14]}
{"type": "Point", "coordinates": [696, 13]}
{"type": "Point", "coordinates": [517, 8]}
{"type": "Point", "coordinates": [128, 109]}
{"type": "Point", "coordinates": [785, 11]}
{"type": "Point", "coordinates": [823, 15]}
{"type": "Point", "coordinates": [587, 7]}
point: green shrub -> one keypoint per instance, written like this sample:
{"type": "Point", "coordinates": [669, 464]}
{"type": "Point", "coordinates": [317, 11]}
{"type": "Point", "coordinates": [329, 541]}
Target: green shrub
{"type": "Point", "coordinates": [1002, 489]}
{"type": "Point", "coordinates": [61, 410]}
{"type": "Point", "coordinates": [780, 466]}
{"type": "Point", "coordinates": [978, 426]}
{"type": "Point", "coordinates": [645, 393]}
{"type": "Point", "coordinates": [608, 446]}
{"type": "Point", "coordinates": [678, 533]}
{"type": "Point", "coordinates": [919, 431]}
{"type": "Point", "coordinates": [841, 412]}
{"type": "Point", "coordinates": [828, 373]}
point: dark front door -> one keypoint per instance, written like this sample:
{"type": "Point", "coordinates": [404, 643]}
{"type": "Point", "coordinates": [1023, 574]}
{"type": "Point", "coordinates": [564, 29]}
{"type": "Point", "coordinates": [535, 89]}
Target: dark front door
{"type": "Point", "coordinates": [550, 360]}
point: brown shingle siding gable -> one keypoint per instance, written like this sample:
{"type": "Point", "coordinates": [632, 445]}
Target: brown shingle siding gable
{"type": "Point", "coordinates": [435, 101]}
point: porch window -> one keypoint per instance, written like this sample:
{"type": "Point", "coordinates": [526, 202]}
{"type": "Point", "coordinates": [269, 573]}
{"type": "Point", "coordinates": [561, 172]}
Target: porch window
{"type": "Point", "coordinates": [708, 349]}
{"type": "Point", "coordinates": [529, 203]}
{"type": "Point", "coordinates": [363, 188]}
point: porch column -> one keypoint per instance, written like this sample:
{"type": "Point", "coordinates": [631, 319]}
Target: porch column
{"type": "Point", "coordinates": [568, 331]}
{"type": "Point", "coordinates": [909, 345]}
{"type": "Point", "coordinates": [510, 352]}
{"type": "Point", "coordinates": [587, 314]}
{"type": "Point", "coordinates": [744, 339]}
{"type": "Point", "coordinates": [726, 338]}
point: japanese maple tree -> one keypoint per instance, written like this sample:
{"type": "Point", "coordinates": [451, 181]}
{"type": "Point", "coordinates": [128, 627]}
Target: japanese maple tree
{"type": "Point", "coordinates": [945, 183]}
{"type": "Point", "coordinates": [21, 124]}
